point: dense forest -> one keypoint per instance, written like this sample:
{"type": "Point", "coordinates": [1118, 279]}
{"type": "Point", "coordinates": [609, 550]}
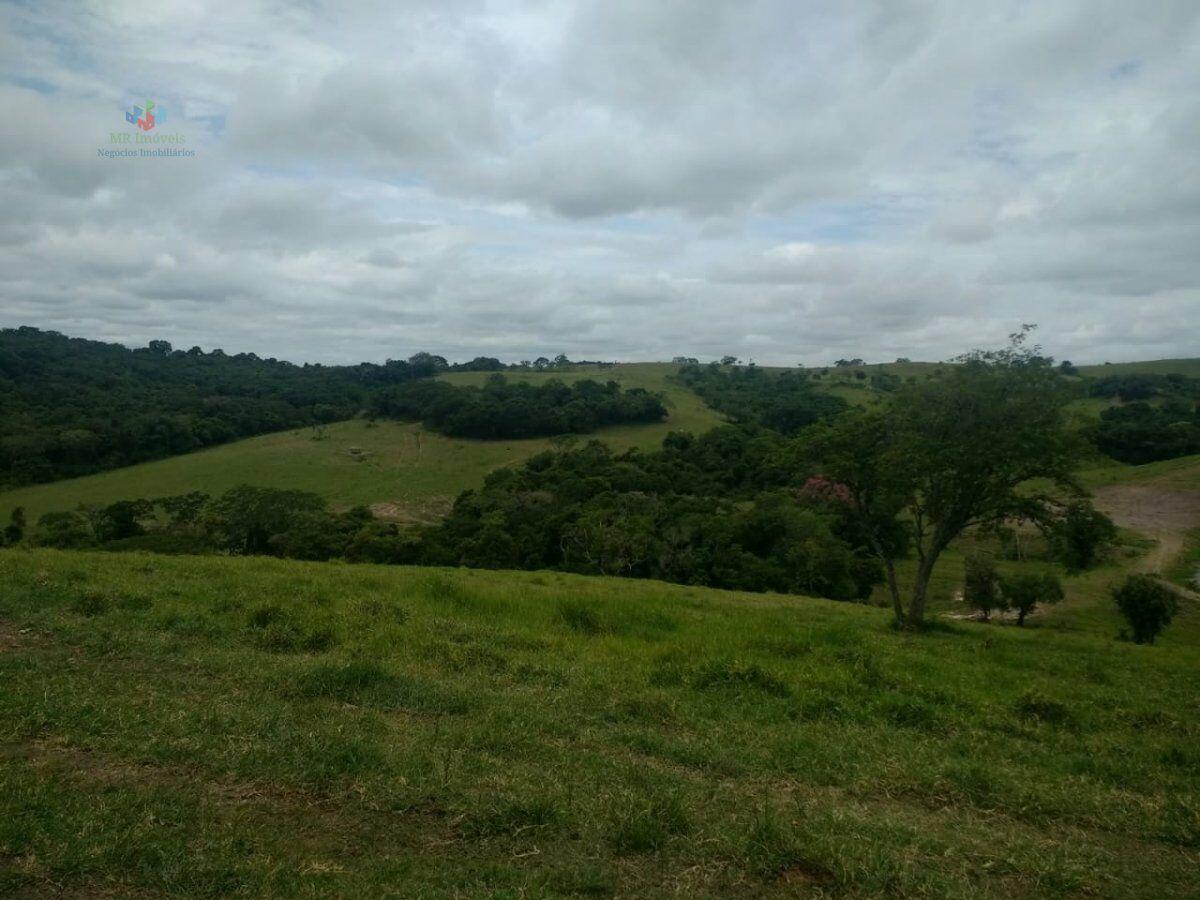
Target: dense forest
{"type": "Point", "coordinates": [70, 406]}
{"type": "Point", "coordinates": [1157, 417]}
{"type": "Point", "coordinates": [716, 510]}
{"type": "Point", "coordinates": [504, 409]}
{"type": "Point", "coordinates": [785, 402]}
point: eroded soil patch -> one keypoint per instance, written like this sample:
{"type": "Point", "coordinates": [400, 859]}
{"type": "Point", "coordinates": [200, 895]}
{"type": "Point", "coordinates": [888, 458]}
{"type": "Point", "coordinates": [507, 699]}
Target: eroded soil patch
{"type": "Point", "coordinates": [1164, 514]}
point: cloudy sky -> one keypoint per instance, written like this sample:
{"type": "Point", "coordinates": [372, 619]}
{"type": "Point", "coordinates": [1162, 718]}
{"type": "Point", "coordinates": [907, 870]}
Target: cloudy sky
{"type": "Point", "coordinates": [624, 179]}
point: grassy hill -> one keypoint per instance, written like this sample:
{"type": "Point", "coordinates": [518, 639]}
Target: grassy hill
{"type": "Point", "coordinates": [1188, 367]}
{"type": "Point", "coordinates": [410, 472]}
{"type": "Point", "coordinates": [212, 726]}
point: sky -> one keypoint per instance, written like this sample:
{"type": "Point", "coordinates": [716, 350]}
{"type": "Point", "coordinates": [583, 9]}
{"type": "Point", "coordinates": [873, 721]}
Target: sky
{"type": "Point", "coordinates": [790, 182]}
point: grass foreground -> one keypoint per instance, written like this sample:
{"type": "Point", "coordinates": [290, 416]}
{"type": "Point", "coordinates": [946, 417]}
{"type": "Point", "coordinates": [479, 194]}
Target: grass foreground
{"type": "Point", "coordinates": [250, 726]}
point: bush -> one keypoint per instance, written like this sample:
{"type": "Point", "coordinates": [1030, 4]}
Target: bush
{"type": "Point", "coordinates": [15, 530]}
{"type": "Point", "coordinates": [63, 531]}
{"type": "Point", "coordinates": [1023, 591]}
{"type": "Point", "coordinates": [981, 585]}
{"type": "Point", "coordinates": [1147, 606]}
{"type": "Point", "coordinates": [1082, 535]}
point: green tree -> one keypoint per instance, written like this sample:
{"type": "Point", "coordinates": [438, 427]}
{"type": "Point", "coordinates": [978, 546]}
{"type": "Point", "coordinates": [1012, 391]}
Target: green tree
{"type": "Point", "coordinates": [950, 453]}
{"type": "Point", "coordinates": [1081, 535]}
{"type": "Point", "coordinates": [118, 520]}
{"type": "Point", "coordinates": [246, 517]}
{"type": "Point", "coordinates": [15, 530]}
{"type": "Point", "coordinates": [183, 509]}
{"type": "Point", "coordinates": [1147, 605]}
{"type": "Point", "coordinates": [63, 530]}
{"type": "Point", "coordinates": [981, 585]}
{"type": "Point", "coordinates": [1023, 591]}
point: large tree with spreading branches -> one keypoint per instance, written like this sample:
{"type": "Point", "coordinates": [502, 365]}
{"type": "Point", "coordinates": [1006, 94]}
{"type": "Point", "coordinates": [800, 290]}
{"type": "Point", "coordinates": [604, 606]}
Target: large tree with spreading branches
{"type": "Point", "coordinates": [984, 443]}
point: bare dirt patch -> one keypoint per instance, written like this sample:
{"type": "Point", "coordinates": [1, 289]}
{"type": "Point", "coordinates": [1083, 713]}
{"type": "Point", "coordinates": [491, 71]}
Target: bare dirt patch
{"type": "Point", "coordinates": [1164, 514]}
{"type": "Point", "coordinates": [427, 512]}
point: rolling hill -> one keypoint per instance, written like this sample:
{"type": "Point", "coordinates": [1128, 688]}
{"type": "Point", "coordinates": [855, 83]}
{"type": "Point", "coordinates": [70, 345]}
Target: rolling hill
{"type": "Point", "coordinates": [1189, 367]}
{"type": "Point", "coordinates": [215, 726]}
{"type": "Point", "coordinates": [410, 473]}
{"type": "Point", "coordinates": [239, 725]}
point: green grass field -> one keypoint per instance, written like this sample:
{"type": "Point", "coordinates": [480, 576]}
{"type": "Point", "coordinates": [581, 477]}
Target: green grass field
{"type": "Point", "coordinates": [1188, 367]}
{"type": "Point", "coordinates": [1183, 472]}
{"type": "Point", "coordinates": [415, 473]}
{"type": "Point", "coordinates": [225, 726]}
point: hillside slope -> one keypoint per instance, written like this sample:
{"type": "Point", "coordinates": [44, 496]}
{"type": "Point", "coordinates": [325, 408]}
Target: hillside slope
{"type": "Point", "coordinates": [214, 726]}
{"type": "Point", "coordinates": [410, 472]}
{"type": "Point", "coordinates": [1189, 367]}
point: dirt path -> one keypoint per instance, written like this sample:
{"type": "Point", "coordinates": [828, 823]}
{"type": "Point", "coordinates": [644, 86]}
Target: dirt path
{"type": "Point", "coordinates": [1164, 514]}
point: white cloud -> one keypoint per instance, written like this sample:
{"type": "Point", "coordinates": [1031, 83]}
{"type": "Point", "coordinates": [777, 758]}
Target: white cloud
{"type": "Point", "coordinates": [610, 178]}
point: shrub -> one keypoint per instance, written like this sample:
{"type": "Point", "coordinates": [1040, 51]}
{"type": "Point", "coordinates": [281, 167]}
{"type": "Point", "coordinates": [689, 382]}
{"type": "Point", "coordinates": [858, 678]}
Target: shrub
{"type": "Point", "coordinates": [1023, 591]}
{"type": "Point", "coordinates": [1082, 536]}
{"type": "Point", "coordinates": [1147, 606]}
{"type": "Point", "coordinates": [15, 530]}
{"type": "Point", "coordinates": [980, 585]}
{"type": "Point", "coordinates": [63, 531]}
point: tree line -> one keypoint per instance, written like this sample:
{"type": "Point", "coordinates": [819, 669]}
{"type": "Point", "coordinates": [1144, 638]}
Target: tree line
{"type": "Point", "coordinates": [1158, 417]}
{"type": "Point", "coordinates": [504, 409]}
{"type": "Point", "coordinates": [70, 406]}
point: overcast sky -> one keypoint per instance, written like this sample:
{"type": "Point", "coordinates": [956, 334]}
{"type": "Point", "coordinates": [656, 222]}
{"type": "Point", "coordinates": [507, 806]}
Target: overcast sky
{"type": "Point", "coordinates": [787, 181]}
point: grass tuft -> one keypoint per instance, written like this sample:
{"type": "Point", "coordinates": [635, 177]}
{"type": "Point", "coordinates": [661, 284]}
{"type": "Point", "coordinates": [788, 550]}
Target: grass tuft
{"type": "Point", "coordinates": [738, 676]}
{"type": "Point", "coordinates": [643, 824]}
{"type": "Point", "coordinates": [1034, 707]}
{"type": "Point", "coordinates": [91, 604]}
{"type": "Point", "coordinates": [578, 615]}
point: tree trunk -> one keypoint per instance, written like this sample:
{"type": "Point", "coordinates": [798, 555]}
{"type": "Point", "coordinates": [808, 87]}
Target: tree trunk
{"type": "Point", "coordinates": [916, 606]}
{"type": "Point", "coordinates": [894, 589]}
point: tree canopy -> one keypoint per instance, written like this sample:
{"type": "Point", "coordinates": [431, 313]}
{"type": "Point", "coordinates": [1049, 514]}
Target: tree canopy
{"type": "Point", "coordinates": [950, 453]}
{"type": "Point", "coordinates": [507, 409]}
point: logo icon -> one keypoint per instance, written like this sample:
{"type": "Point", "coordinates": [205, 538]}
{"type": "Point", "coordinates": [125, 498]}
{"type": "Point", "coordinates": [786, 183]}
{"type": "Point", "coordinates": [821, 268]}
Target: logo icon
{"type": "Point", "coordinates": [145, 118]}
